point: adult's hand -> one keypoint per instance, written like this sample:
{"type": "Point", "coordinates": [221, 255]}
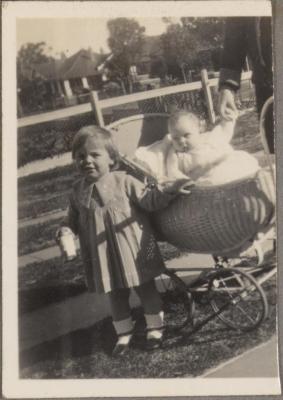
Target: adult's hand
{"type": "Point", "coordinates": [227, 105]}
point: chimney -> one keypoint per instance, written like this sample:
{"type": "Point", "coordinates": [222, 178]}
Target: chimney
{"type": "Point", "coordinates": [90, 52]}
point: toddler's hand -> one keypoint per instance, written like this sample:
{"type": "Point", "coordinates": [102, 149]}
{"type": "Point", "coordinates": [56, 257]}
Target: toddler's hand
{"type": "Point", "coordinates": [66, 241]}
{"type": "Point", "coordinates": [177, 186]}
{"type": "Point", "coordinates": [60, 232]}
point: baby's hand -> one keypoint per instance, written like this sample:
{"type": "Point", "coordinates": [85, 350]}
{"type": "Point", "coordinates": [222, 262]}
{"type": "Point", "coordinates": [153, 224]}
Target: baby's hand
{"type": "Point", "coordinates": [177, 186]}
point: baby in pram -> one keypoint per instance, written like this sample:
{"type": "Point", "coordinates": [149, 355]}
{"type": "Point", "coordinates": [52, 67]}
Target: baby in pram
{"type": "Point", "coordinates": [206, 158]}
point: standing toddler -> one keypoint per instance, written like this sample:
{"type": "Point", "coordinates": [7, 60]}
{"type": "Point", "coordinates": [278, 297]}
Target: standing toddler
{"type": "Point", "coordinates": [118, 247]}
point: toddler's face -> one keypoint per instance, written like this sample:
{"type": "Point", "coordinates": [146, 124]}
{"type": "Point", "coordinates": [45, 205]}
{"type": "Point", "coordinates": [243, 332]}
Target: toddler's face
{"type": "Point", "coordinates": [185, 134]}
{"type": "Point", "coordinates": [93, 160]}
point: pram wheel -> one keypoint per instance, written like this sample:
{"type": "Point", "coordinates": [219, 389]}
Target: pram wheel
{"type": "Point", "coordinates": [238, 299]}
{"type": "Point", "coordinates": [177, 302]}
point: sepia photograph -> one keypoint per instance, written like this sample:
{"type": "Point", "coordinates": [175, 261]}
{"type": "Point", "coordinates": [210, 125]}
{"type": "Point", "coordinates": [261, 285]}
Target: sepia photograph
{"type": "Point", "coordinates": [139, 199]}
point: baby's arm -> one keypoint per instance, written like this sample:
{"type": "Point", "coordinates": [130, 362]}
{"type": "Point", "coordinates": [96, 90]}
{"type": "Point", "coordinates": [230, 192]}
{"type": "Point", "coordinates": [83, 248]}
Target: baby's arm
{"type": "Point", "coordinates": [155, 198]}
{"type": "Point", "coordinates": [172, 165]}
{"type": "Point", "coordinates": [223, 131]}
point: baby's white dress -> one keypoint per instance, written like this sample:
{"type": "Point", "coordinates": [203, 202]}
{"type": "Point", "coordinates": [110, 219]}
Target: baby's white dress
{"type": "Point", "coordinates": [213, 162]}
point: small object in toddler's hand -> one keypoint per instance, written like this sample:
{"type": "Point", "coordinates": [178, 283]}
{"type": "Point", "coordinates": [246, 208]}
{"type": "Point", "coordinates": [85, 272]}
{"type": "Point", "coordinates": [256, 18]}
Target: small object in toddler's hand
{"type": "Point", "coordinates": [66, 241]}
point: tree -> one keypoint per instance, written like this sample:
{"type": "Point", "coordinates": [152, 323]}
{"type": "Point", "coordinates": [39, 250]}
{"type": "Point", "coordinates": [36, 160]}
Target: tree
{"type": "Point", "coordinates": [28, 81]}
{"type": "Point", "coordinates": [125, 41]}
{"type": "Point", "coordinates": [183, 42]}
{"type": "Point", "coordinates": [178, 47]}
{"type": "Point", "coordinates": [158, 67]}
{"type": "Point", "coordinates": [28, 56]}
{"type": "Point", "coordinates": [209, 35]}
{"type": "Point", "coordinates": [209, 31]}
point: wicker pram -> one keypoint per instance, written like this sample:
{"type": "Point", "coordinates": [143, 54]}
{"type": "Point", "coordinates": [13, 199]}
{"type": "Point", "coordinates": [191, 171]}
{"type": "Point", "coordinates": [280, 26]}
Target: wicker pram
{"type": "Point", "coordinates": [218, 220]}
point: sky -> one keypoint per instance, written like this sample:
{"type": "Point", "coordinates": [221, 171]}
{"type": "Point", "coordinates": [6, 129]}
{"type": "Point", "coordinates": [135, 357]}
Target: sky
{"type": "Point", "coordinates": [71, 34]}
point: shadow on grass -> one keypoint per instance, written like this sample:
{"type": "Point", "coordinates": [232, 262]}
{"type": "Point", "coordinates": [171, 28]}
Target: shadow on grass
{"type": "Point", "coordinates": [77, 344]}
{"type": "Point", "coordinates": [35, 298]}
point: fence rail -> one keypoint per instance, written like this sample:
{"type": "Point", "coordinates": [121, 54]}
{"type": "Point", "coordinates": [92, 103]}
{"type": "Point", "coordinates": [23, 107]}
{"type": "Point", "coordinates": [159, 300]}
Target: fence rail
{"type": "Point", "coordinates": [53, 115]}
{"type": "Point", "coordinates": [98, 105]}
{"type": "Point", "coordinates": [50, 134]}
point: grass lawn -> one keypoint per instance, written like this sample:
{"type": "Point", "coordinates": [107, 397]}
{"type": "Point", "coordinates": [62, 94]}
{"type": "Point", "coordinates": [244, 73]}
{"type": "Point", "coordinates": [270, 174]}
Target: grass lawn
{"type": "Point", "coordinates": [37, 237]}
{"type": "Point", "coordinates": [45, 191]}
{"type": "Point", "coordinates": [246, 136]}
{"type": "Point", "coordinates": [85, 353]}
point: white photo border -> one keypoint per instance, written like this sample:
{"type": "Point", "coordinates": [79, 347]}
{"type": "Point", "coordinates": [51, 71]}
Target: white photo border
{"type": "Point", "coordinates": [31, 388]}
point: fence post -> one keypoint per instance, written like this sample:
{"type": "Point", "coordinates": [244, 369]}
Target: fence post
{"type": "Point", "coordinates": [208, 97]}
{"type": "Point", "coordinates": [95, 106]}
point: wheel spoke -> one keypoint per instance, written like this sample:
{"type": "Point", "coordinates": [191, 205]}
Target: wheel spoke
{"type": "Point", "coordinates": [244, 312]}
{"type": "Point", "coordinates": [248, 305]}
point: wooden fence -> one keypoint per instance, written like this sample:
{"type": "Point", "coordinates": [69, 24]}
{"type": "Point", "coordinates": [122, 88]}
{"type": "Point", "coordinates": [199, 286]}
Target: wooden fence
{"type": "Point", "coordinates": [98, 105]}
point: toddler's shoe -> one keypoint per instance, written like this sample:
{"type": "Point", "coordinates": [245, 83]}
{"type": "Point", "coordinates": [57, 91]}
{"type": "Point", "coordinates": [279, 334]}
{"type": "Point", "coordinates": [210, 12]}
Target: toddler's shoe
{"type": "Point", "coordinates": [122, 345]}
{"type": "Point", "coordinates": [154, 339]}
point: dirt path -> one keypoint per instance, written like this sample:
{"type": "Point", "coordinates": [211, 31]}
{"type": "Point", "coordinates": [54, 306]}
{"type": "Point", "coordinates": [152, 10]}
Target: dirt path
{"type": "Point", "coordinates": [44, 165]}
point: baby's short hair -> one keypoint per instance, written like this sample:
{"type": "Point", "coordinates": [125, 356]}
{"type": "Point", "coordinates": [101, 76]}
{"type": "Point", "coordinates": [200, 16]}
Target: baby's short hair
{"type": "Point", "coordinates": [100, 135]}
{"type": "Point", "coordinates": [174, 118]}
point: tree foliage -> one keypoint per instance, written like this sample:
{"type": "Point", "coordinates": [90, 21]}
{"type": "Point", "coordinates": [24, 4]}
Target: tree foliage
{"type": "Point", "coordinates": [29, 55]}
{"type": "Point", "coordinates": [126, 38]}
{"type": "Point", "coordinates": [208, 31]}
{"type": "Point", "coordinates": [29, 83]}
{"type": "Point", "coordinates": [178, 46]}
{"type": "Point", "coordinates": [190, 42]}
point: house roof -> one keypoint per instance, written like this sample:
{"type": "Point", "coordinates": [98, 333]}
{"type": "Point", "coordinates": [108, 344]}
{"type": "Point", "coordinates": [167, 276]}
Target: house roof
{"type": "Point", "coordinates": [87, 63]}
{"type": "Point", "coordinates": [82, 63]}
{"type": "Point", "coordinates": [151, 47]}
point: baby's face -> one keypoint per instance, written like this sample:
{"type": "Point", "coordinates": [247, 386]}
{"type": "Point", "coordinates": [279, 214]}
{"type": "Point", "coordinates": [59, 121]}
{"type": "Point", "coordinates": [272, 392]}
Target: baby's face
{"type": "Point", "coordinates": [185, 134]}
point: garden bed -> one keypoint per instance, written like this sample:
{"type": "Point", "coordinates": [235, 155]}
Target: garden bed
{"type": "Point", "coordinates": [39, 141]}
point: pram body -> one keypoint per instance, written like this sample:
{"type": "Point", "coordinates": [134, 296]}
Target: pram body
{"type": "Point", "coordinates": [220, 220]}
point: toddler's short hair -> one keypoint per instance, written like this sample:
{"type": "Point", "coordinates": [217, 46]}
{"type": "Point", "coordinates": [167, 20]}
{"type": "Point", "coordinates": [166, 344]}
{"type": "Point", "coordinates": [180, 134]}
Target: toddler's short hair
{"type": "Point", "coordinates": [100, 135]}
{"type": "Point", "coordinates": [174, 118]}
